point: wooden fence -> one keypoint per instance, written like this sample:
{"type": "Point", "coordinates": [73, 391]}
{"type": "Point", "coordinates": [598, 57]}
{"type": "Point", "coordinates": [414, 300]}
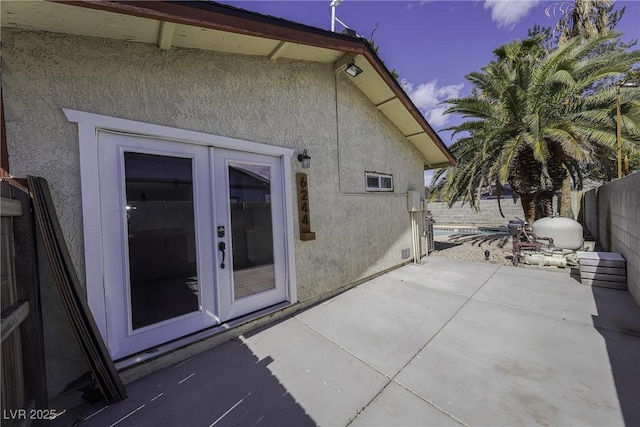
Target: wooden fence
{"type": "Point", "coordinates": [24, 387]}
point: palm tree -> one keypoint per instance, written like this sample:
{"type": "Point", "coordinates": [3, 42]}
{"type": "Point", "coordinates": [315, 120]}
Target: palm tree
{"type": "Point", "coordinates": [587, 19]}
{"type": "Point", "coordinates": [583, 18]}
{"type": "Point", "coordinates": [534, 117]}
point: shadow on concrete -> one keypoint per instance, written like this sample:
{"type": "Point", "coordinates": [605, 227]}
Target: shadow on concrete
{"type": "Point", "coordinates": [618, 321]}
{"type": "Point", "coordinates": [440, 246]}
{"type": "Point", "coordinates": [500, 239]}
{"type": "Point", "coordinates": [575, 274]}
{"type": "Point", "coordinates": [224, 386]}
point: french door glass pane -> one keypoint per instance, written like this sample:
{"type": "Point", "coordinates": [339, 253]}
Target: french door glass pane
{"type": "Point", "coordinates": [251, 229]}
{"type": "Point", "coordinates": [161, 237]}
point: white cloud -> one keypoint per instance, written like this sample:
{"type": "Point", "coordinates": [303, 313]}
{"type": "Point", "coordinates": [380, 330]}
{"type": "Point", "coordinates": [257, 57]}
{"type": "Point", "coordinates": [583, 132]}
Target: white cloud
{"type": "Point", "coordinates": [428, 96]}
{"type": "Point", "coordinates": [507, 13]}
{"type": "Point", "coordinates": [436, 117]}
{"type": "Point", "coordinates": [428, 176]}
{"type": "Point", "coordinates": [421, 3]}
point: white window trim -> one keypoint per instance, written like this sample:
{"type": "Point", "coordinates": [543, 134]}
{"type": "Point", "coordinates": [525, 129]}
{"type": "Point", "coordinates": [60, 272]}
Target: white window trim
{"type": "Point", "coordinates": [377, 175]}
{"type": "Point", "coordinates": [97, 121]}
{"type": "Point", "coordinates": [89, 125]}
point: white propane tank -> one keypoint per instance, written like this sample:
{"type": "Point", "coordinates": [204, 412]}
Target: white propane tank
{"type": "Point", "coordinates": [565, 232]}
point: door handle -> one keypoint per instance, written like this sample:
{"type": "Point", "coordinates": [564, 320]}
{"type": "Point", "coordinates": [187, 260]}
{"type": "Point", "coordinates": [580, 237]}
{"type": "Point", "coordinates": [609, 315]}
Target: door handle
{"type": "Point", "coordinates": [222, 247]}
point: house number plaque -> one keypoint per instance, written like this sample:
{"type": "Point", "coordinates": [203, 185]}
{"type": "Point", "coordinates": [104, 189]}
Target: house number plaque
{"type": "Point", "coordinates": [304, 213]}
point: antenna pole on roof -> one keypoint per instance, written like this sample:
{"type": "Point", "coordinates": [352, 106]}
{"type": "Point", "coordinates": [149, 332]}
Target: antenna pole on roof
{"type": "Point", "coordinates": [333, 5]}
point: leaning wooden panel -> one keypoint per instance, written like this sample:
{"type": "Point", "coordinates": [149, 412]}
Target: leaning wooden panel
{"type": "Point", "coordinates": [82, 321]}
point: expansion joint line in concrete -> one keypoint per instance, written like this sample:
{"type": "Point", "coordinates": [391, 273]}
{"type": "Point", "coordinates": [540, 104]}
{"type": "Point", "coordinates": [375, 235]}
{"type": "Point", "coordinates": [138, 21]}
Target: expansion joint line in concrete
{"type": "Point", "coordinates": [341, 347]}
{"type": "Point", "coordinates": [392, 379]}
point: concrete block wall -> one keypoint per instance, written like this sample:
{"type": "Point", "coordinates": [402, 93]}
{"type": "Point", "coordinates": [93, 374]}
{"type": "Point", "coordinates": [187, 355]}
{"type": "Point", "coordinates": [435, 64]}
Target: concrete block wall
{"type": "Point", "coordinates": [617, 226]}
{"type": "Point", "coordinates": [489, 213]}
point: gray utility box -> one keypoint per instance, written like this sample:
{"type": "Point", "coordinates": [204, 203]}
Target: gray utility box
{"type": "Point", "coordinates": [603, 269]}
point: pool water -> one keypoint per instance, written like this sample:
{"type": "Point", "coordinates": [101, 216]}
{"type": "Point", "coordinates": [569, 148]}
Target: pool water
{"type": "Point", "coordinates": [468, 230]}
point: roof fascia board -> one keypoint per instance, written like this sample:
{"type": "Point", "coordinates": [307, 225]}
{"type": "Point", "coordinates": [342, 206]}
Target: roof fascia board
{"type": "Point", "coordinates": [226, 18]}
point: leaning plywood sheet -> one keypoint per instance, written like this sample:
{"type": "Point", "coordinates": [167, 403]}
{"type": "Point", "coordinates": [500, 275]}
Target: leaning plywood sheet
{"type": "Point", "coordinates": [82, 321]}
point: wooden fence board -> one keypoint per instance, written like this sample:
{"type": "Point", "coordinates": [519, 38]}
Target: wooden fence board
{"type": "Point", "coordinates": [27, 279]}
{"type": "Point", "coordinates": [9, 207]}
{"type": "Point", "coordinates": [12, 387]}
{"type": "Point", "coordinates": [14, 317]}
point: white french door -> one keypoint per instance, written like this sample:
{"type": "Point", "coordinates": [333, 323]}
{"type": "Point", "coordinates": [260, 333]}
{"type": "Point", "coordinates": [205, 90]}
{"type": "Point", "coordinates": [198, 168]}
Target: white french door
{"type": "Point", "coordinates": [250, 231]}
{"type": "Point", "coordinates": [192, 236]}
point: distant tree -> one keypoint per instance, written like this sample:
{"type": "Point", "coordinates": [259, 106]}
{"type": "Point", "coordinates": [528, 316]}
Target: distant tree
{"type": "Point", "coordinates": [584, 18]}
{"type": "Point", "coordinates": [545, 33]}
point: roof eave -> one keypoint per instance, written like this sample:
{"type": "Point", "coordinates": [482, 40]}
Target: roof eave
{"type": "Point", "coordinates": [234, 20]}
{"type": "Point", "coordinates": [393, 83]}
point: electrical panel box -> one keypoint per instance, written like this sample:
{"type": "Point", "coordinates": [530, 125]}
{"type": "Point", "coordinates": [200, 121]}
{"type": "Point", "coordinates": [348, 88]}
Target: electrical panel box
{"type": "Point", "coordinates": [413, 201]}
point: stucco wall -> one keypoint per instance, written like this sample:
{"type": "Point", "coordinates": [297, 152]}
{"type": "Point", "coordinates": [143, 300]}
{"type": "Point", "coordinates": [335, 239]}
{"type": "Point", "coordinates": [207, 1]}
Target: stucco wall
{"type": "Point", "coordinates": [617, 225]}
{"type": "Point", "coordinates": [284, 103]}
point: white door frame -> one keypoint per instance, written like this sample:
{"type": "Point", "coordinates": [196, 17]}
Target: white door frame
{"type": "Point", "coordinates": [89, 127]}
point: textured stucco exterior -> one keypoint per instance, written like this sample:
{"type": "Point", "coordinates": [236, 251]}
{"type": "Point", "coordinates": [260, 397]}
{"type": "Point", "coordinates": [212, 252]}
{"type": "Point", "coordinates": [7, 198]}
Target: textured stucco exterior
{"type": "Point", "coordinates": [612, 215]}
{"type": "Point", "coordinates": [300, 105]}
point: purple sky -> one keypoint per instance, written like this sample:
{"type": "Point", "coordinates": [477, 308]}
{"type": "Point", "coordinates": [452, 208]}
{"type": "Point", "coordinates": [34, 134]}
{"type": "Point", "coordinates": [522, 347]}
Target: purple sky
{"type": "Point", "coordinates": [434, 44]}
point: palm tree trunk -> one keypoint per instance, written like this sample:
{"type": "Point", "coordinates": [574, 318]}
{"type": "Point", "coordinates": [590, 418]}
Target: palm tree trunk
{"type": "Point", "coordinates": [544, 201]}
{"type": "Point", "coordinates": [528, 207]}
{"type": "Point", "coordinates": [565, 198]}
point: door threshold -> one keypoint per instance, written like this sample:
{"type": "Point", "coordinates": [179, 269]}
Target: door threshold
{"type": "Point", "coordinates": [251, 320]}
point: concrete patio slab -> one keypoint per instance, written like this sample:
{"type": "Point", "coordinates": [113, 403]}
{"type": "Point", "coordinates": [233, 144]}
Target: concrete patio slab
{"type": "Point", "coordinates": [330, 384]}
{"type": "Point", "coordinates": [499, 365]}
{"type": "Point", "coordinates": [202, 391]}
{"type": "Point", "coordinates": [447, 275]}
{"type": "Point", "coordinates": [397, 406]}
{"type": "Point", "coordinates": [386, 323]}
{"type": "Point", "coordinates": [555, 293]}
{"type": "Point", "coordinates": [481, 345]}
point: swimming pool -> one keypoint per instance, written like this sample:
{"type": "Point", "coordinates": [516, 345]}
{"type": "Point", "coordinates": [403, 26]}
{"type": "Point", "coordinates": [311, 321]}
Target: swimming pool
{"type": "Point", "coordinates": [448, 231]}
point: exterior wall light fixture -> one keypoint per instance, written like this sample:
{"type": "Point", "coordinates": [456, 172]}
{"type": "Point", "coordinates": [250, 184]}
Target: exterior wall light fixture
{"type": "Point", "coordinates": [304, 159]}
{"type": "Point", "coordinates": [353, 70]}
